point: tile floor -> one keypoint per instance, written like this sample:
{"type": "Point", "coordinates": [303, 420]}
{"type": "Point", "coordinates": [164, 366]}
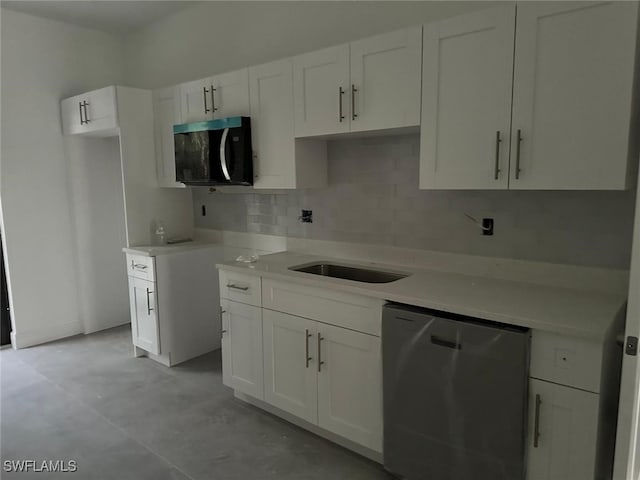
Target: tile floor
{"type": "Point", "coordinates": [87, 399]}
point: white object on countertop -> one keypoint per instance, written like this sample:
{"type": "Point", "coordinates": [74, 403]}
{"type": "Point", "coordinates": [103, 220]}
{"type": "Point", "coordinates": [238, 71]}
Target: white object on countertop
{"type": "Point", "coordinates": [160, 237]}
{"type": "Point", "coordinates": [247, 259]}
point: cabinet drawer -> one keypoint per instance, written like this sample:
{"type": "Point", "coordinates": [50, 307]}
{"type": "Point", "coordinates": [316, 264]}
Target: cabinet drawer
{"type": "Point", "coordinates": [240, 287]}
{"type": "Point", "coordinates": [566, 360]}
{"type": "Point", "coordinates": [355, 312]}
{"type": "Point", "coordinates": [142, 267]}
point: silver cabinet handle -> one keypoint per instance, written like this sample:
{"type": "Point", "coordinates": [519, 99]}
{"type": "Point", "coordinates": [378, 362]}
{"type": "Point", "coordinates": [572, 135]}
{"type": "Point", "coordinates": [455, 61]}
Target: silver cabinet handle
{"type": "Point", "coordinates": [223, 154]}
{"type": "Point", "coordinates": [204, 95]}
{"type": "Point", "coordinates": [496, 173]}
{"type": "Point", "coordinates": [149, 309]}
{"type": "Point", "coordinates": [536, 422]}
{"type": "Point", "coordinates": [213, 99]}
{"type": "Point", "coordinates": [306, 348]}
{"type": "Point", "coordinates": [138, 266]}
{"type": "Point", "coordinates": [85, 104]}
{"type": "Point", "coordinates": [518, 142]}
{"type": "Point", "coordinates": [81, 117]}
{"type": "Point", "coordinates": [237, 287]}
{"type": "Point", "coordinates": [354, 115]}
{"type": "Point", "coordinates": [320, 362]}
{"type": "Point", "coordinates": [340, 94]}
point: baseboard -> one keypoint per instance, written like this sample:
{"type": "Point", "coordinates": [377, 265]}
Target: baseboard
{"type": "Point", "coordinates": [321, 432]}
{"type": "Point", "coordinates": [29, 338]}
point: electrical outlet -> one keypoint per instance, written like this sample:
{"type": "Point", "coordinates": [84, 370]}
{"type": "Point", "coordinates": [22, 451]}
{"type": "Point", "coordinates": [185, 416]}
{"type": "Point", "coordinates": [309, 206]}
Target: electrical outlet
{"type": "Point", "coordinates": [487, 226]}
{"type": "Point", "coordinates": [307, 216]}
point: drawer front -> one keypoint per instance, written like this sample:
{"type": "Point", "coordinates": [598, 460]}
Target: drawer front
{"type": "Point", "coordinates": [566, 360]}
{"type": "Point", "coordinates": [240, 287]}
{"type": "Point", "coordinates": [355, 312]}
{"type": "Point", "coordinates": [142, 267]}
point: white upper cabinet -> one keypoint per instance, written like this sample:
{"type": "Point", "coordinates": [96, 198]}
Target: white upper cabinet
{"type": "Point", "coordinates": [572, 95]}
{"type": "Point", "coordinates": [466, 101]}
{"type": "Point", "coordinates": [385, 80]}
{"type": "Point", "coordinates": [280, 160]}
{"type": "Point", "coordinates": [220, 96]}
{"type": "Point", "coordinates": [196, 99]}
{"type": "Point", "coordinates": [230, 96]}
{"type": "Point", "coordinates": [321, 92]}
{"type": "Point", "coordinates": [573, 115]}
{"type": "Point", "coordinates": [371, 84]}
{"type": "Point", "coordinates": [166, 114]}
{"type": "Point", "coordinates": [92, 113]}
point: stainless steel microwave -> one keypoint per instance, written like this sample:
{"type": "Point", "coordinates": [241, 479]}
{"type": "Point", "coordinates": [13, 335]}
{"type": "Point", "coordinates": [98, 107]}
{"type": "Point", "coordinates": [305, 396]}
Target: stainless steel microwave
{"type": "Point", "coordinates": [216, 152]}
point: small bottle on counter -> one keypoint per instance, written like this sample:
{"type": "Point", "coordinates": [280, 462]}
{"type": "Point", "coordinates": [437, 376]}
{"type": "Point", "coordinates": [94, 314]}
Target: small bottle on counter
{"type": "Point", "coordinates": [160, 237]}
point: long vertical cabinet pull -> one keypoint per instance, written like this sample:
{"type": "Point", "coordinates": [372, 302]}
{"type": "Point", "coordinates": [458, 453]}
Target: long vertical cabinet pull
{"type": "Point", "coordinates": [340, 94]}
{"type": "Point", "coordinates": [149, 309]}
{"type": "Point", "coordinates": [518, 142]}
{"type": "Point", "coordinates": [496, 173]}
{"type": "Point", "coordinates": [82, 122]}
{"type": "Point", "coordinates": [85, 104]}
{"type": "Point", "coordinates": [354, 115]}
{"type": "Point", "coordinates": [320, 362]}
{"type": "Point", "coordinates": [536, 422]}
{"type": "Point", "coordinates": [213, 100]}
{"type": "Point", "coordinates": [306, 348]}
{"type": "Point", "coordinates": [204, 95]}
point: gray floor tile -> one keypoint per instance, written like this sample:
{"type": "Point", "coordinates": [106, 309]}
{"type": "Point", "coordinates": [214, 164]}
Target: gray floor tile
{"type": "Point", "coordinates": [86, 398]}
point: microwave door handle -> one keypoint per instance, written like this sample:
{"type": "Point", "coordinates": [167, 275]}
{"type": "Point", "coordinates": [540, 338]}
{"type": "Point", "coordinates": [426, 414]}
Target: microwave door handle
{"type": "Point", "coordinates": [223, 154]}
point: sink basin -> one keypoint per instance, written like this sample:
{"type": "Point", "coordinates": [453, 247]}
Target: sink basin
{"type": "Point", "coordinates": [356, 274]}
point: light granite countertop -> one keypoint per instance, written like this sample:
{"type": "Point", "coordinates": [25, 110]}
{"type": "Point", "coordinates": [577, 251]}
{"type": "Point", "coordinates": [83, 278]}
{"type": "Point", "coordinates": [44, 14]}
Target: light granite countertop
{"type": "Point", "coordinates": [567, 311]}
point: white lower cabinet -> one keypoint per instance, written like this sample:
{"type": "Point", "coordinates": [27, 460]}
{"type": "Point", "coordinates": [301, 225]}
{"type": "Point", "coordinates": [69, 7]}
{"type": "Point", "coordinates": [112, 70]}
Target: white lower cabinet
{"type": "Point", "coordinates": [290, 364]}
{"type": "Point", "coordinates": [242, 348]}
{"type": "Point", "coordinates": [350, 385]}
{"type": "Point", "coordinates": [562, 432]}
{"type": "Point", "coordinates": [144, 316]}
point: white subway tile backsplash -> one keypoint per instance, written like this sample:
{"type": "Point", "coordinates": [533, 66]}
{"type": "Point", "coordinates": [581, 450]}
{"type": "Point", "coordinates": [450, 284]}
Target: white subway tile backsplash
{"type": "Point", "coordinates": [373, 198]}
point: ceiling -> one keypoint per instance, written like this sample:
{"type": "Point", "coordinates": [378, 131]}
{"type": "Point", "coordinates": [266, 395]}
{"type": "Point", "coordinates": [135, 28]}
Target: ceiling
{"type": "Point", "coordinates": [117, 17]}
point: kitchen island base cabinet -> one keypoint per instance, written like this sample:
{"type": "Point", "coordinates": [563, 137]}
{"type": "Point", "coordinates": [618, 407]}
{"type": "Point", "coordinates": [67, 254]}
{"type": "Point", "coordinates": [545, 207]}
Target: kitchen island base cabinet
{"type": "Point", "coordinates": [242, 348]}
{"type": "Point", "coordinates": [562, 432]}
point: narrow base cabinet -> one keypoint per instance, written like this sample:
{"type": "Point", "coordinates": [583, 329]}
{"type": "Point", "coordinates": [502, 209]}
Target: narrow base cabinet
{"type": "Point", "coordinates": [562, 432]}
{"type": "Point", "coordinates": [296, 355]}
{"type": "Point", "coordinates": [174, 316]}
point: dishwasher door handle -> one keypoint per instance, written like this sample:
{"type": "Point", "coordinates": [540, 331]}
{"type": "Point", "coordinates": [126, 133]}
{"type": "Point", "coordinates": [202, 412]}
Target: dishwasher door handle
{"type": "Point", "coordinates": [443, 342]}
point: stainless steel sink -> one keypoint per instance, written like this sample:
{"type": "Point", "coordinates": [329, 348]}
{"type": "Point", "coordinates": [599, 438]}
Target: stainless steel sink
{"type": "Point", "coordinates": [346, 272]}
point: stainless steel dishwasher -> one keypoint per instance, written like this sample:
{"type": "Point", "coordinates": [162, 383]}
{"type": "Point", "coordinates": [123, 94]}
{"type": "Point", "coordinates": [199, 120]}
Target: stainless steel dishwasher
{"type": "Point", "coordinates": [455, 396]}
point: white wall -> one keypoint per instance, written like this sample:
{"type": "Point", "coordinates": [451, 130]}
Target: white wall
{"type": "Point", "coordinates": [216, 37]}
{"type": "Point", "coordinates": [44, 61]}
{"type": "Point", "coordinates": [99, 223]}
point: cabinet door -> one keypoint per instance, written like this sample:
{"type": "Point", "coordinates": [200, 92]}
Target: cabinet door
{"type": "Point", "coordinates": [101, 110]}
{"type": "Point", "coordinates": [230, 95]}
{"type": "Point", "coordinates": [350, 385]}
{"type": "Point", "coordinates": [290, 364]}
{"type": "Point", "coordinates": [196, 100]}
{"type": "Point", "coordinates": [166, 114]}
{"type": "Point", "coordinates": [386, 80]}
{"type": "Point", "coordinates": [564, 420]}
{"type": "Point", "coordinates": [466, 101]}
{"type": "Point", "coordinates": [321, 92]}
{"type": "Point", "coordinates": [144, 315]}
{"type": "Point", "coordinates": [271, 93]}
{"type": "Point", "coordinates": [71, 115]}
{"type": "Point", "coordinates": [242, 348]}
{"type": "Point", "coordinates": [572, 96]}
